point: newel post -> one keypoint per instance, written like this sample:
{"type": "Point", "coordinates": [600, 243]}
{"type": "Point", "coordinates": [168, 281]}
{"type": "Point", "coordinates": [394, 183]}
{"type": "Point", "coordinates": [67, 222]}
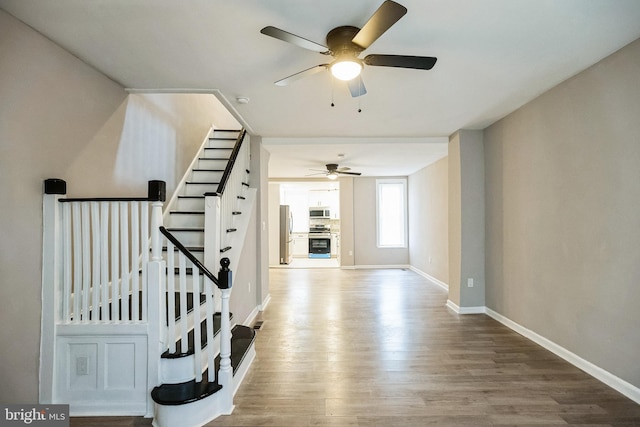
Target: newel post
{"type": "Point", "coordinates": [225, 373]}
{"type": "Point", "coordinates": [52, 272]}
{"type": "Point", "coordinates": [156, 287]}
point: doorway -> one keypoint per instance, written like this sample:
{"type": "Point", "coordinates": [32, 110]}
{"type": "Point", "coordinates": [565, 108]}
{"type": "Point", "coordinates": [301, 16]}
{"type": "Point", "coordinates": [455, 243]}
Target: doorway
{"type": "Point", "coordinates": [315, 232]}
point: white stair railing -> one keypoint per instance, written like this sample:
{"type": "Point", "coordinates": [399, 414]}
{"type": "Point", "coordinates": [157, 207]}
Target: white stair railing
{"type": "Point", "coordinates": [180, 320]}
{"type": "Point", "coordinates": [96, 266]}
{"type": "Point", "coordinates": [104, 246]}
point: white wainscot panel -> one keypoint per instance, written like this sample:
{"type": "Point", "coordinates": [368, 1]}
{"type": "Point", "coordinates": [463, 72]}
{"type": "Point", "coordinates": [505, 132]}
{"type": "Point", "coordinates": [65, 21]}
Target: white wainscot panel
{"type": "Point", "coordinates": [102, 374]}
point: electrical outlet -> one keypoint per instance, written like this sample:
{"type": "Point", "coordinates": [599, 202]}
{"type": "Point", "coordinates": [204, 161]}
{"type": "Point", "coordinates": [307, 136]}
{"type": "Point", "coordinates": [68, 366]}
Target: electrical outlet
{"type": "Point", "coordinates": [470, 282]}
{"type": "Point", "coordinates": [82, 365]}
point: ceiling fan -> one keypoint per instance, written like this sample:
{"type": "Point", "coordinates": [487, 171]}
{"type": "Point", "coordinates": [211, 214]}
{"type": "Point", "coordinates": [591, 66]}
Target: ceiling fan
{"type": "Point", "coordinates": [333, 171]}
{"type": "Point", "coordinates": [345, 44]}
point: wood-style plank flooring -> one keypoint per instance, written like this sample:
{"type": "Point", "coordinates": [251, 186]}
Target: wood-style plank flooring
{"type": "Point", "coordinates": [379, 348]}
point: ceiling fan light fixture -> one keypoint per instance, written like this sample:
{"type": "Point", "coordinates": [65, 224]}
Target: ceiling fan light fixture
{"type": "Point", "coordinates": [332, 175]}
{"type": "Point", "coordinates": [346, 69]}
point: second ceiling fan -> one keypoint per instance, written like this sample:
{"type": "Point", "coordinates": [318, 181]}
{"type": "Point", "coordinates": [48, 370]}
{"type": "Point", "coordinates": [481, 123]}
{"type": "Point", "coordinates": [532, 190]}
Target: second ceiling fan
{"type": "Point", "coordinates": [345, 44]}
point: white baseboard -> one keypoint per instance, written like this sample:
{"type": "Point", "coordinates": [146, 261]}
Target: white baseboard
{"type": "Point", "coordinates": [465, 310]}
{"type": "Point", "coordinates": [430, 278]}
{"type": "Point", "coordinates": [265, 303]}
{"type": "Point", "coordinates": [390, 266]}
{"type": "Point", "coordinates": [629, 390]}
{"type": "Point", "coordinates": [252, 316]}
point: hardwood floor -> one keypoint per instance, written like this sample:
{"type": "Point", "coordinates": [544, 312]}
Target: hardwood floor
{"type": "Point", "coordinates": [379, 348]}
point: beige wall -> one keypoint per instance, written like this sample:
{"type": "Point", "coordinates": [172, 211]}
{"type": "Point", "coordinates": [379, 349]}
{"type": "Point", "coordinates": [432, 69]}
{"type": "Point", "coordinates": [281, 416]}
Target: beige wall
{"type": "Point", "coordinates": [428, 220]}
{"type": "Point", "coordinates": [366, 251]}
{"type": "Point", "coordinates": [61, 118]}
{"type": "Point", "coordinates": [562, 214]}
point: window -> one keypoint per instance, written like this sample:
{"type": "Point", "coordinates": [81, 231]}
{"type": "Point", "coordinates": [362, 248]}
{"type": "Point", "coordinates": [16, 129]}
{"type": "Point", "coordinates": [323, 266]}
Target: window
{"type": "Point", "coordinates": [391, 209]}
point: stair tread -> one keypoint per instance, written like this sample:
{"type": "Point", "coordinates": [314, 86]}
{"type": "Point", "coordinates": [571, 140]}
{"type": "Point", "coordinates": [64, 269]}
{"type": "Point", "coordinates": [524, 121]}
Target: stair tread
{"type": "Point", "coordinates": [191, 391]}
{"type": "Point", "coordinates": [185, 229]}
{"type": "Point", "coordinates": [189, 248]}
{"type": "Point", "coordinates": [187, 212]}
{"type": "Point", "coordinates": [190, 197]}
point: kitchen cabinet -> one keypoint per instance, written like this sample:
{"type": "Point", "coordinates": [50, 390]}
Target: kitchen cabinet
{"type": "Point", "coordinates": [335, 245]}
{"type": "Point", "coordinates": [326, 198]}
{"type": "Point", "coordinates": [300, 245]}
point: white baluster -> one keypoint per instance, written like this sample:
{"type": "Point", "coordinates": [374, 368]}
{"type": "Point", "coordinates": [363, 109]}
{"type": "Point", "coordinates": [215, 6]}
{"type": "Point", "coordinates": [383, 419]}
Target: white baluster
{"type": "Point", "coordinates": [77, 262]}
{"type": "Point", "coordinates": [145, 248]}
{"type": "Point", "coordinates": [115, 266]}
{"type": "Point", "coordinates": [156, 223]}
{"type": "Point", "coordinates": [135, 256]}
{"type": "Point", "coordinates": [184, 324]}
{"type": "Point", "coordinates": [211, 356]}
{"type": "Point", "coordinates": [124, 261]}
{"type": "Point", "coordinates": [104, 260]}
{"type": "Point", "coordinates": [95, 262]}
{"type": "Point", "coordinates": [66, 262]}
{"type": "Point", "coordinates": [86, 263]}
{"type": "Point", "coordinates": [197, 319]}
{"type": "Point", "coordinates": [171, 298]}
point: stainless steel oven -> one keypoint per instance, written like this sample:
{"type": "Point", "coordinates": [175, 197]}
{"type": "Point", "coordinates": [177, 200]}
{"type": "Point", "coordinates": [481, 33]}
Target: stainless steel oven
{"type": "Point", "coordinates": [319, 245]}
{"type": "Point", "coordinates": [319, 241]}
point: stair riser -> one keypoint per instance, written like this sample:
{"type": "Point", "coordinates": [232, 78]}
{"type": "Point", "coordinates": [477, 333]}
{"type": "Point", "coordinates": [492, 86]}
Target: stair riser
{"type": "Point", "coordinates": [206, 176]}
{"type": "Point", "coordinates": [185, 220]}
{"type": "Point", "coordinates": [189, 238]}
{"type": "Point", "coordinates": [199, 256]}
{"type": "Point", "coordinates": [182, 369]}
{"type": "Point", "coordinates": [211, 164]}
{"type": "Point", "coordinates": [221, 143]}
{"type": "Point", "coordinates": [189, 204]}
{"type": "Point", "coordinates": [196, 189]}
{"type": "Point", "coordinates": [217, 153]}
{"type": "Point", "coordinates": [217, 133]}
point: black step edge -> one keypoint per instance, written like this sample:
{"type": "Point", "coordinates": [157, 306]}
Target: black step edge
{"type": "Point", "coordinates": [236, 213]}
{"type": "Point", "coordinates": [190, 248]}
{"type": "Point", "coordinates": [241, 339]}
{"type": "Point", "coordinates": [202, 183]}
{"type": "Point", "coordinates": [186, 212]}
{"type": "Point", "coordinates": [188, 229]}
{"type": "Point", "coordinates": [190, 197]}
{"type": "Point", "coordinates": [241, 197]}
{"type": "Point", "coordinates": [217, 138]}
{"type": "Point", "coordinates": [228, 248]}
{"type": "Point", "coordinates": [231, 230]}
{"type": "Point", "coordinates": [191, 391]}
{"type": "Point", "coordinates": [207, 170]}
{"type": "Point", "coordinates": [183, 393]}
{"type": "Point", "coordinates": [245, 184]}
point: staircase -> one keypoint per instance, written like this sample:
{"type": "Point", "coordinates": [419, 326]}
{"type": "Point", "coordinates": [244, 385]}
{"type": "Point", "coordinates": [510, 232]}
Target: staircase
{"type": "Point", "coordinates": [141, 327]}
{"type": "Point", "coordinates": [186, 212]}
{"type": "Point", "coordinates": [190, 393]}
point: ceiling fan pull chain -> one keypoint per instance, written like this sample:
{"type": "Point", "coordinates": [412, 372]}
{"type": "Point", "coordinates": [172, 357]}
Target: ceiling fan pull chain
{"type": "Point", "coordinates": [332, 85]}
{"type": "Point", "coordinates": [360, 94]}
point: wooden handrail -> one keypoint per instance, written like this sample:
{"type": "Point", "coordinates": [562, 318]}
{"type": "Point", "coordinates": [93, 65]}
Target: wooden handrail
{"type": "Point", "coordinates": [232, 161]}
{"type": "Point", "coordinates": [189, 255]}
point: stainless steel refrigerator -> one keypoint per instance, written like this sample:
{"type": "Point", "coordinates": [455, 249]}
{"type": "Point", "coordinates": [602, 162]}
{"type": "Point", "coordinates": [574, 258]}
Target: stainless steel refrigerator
{"type": "Point", "coordinates": [286, 239]}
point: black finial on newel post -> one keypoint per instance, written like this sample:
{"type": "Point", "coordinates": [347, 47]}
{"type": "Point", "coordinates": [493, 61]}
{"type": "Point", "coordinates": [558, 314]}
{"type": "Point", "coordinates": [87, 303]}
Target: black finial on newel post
{"type": "Point", "coordinates": [157, 191]}
{"type": "Point", "coordinates": [224, 275]}
{"type": "Point", "coordinates": [55, 186]}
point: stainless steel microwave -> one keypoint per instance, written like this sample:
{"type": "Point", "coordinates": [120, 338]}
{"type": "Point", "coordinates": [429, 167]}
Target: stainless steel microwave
{"type": "Point", "coordinates": [319, 213]}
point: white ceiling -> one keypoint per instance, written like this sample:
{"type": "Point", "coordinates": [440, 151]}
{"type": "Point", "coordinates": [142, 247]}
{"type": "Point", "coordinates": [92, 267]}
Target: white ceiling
{"type": "Point", "coordinates": [493, 56]}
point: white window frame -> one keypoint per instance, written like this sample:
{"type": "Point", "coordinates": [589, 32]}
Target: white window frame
{"type": "Point", "coordinates": [405, 233]}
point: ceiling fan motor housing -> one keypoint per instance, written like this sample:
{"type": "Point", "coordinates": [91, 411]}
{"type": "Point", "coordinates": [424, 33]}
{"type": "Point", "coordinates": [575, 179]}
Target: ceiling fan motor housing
{"type": "Point", "coordinates": [339, 41]}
